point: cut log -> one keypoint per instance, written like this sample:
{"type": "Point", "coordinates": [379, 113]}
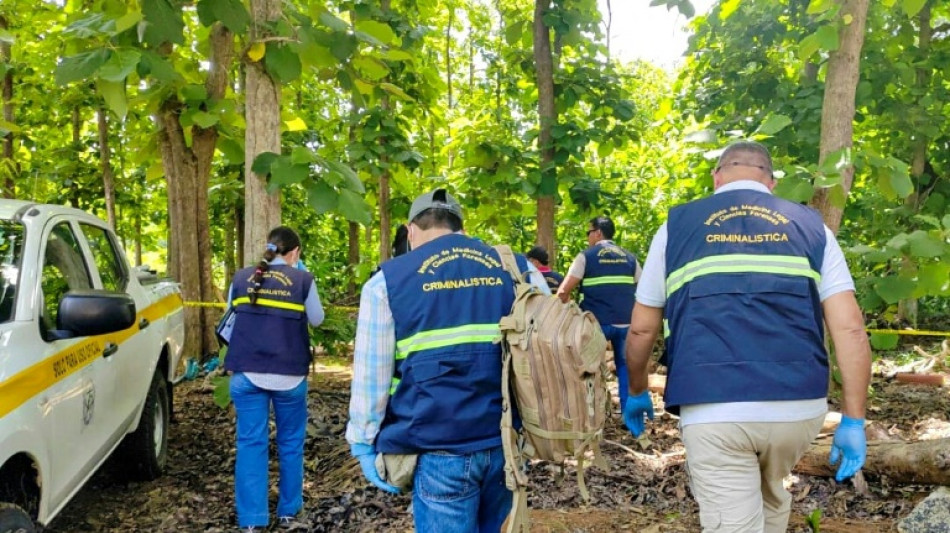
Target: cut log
{"type": "Point", "coordinates": [925, 462]}
{"type": "Point", "coordinates": [936, 380]}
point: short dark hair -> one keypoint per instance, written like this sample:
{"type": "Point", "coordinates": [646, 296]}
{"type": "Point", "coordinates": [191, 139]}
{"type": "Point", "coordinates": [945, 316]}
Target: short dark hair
{"type": "Point", "coordinates": [539, 253]}
{"type": "Point", "coordinates": [401, 240]}
{"type": "Point", "coordinates": [605, 225]}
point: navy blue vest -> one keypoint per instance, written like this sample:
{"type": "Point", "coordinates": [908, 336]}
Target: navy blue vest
{"type": "Point", "coordinates": [743, 310]}
{"type": "Point", "coordinates": [447, 297]}
{"type": "Point", "coordinates": [553, 279]}
{"type": "Point", "coordinates": [609, 285]}
{"type": "Point", "coordinates": [271, 336]}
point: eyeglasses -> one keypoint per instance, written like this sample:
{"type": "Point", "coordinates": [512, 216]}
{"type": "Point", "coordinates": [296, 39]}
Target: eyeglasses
{"type": "Point", "coordinates": [592, 231]}
{"type": "Point", "coordinates": [737, 164]}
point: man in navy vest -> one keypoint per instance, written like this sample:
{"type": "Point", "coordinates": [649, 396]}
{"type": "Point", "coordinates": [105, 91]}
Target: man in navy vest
{"type": "Point", "coordinates": [607, 275]}
{"type": "Point", "coordinates": [427, 371]}
{"type": "Point", "coordinates": [745, 282]}
{"type": "Point", "coordinates": [538, 257]}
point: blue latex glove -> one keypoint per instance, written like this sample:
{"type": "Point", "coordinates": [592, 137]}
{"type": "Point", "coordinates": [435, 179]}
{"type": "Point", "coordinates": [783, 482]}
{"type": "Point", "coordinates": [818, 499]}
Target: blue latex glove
{"type": "Point", "coordinates": [635, 409]}
{"type": "Point", "coordinates": [366, 454]}
{"type": "Point", "coordinates": [850, 446]}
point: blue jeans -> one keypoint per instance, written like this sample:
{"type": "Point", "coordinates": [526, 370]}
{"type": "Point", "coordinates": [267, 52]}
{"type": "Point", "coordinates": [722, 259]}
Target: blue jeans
{"type": "Point", "coordinates": [252, 404]}
{"type": "Point", "coordinates": [460, 493]}
{"type": "Point", "coordinates": [618, 339]}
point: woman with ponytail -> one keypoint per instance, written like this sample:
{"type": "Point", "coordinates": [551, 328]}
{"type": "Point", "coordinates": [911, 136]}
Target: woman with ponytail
{"type": "Point", "coordinates": [269, 358]}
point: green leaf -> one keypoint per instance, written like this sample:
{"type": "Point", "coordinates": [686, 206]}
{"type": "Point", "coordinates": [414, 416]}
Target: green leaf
{"type": "Point", "coordinates": [333, 22]}
{"type": "Point", "coordinates": [884, 341]}
{"type": "Point", "coordinates": [893, 289]}
{"type": "Point", "coordinates": [901, 184]}
{"type": "Point", "coordinates": [301, 155]}
{"type": "Point", "coordinates": [837, 196]}
{"type": "Point", "coordinates": [231, 13]}
{"type": "Point", "coordinates": [322, 197]}
{"type": "Point", "coordinates": [163, 23]}
{"type": "Point", "coordinates": [113, 92]}
{"type": "Point", "coordinates": [232, 150]}
{"type": "Point", "coordinates": [80, 66]}
{"type": "Point", "coordinates": [727, 8]}
{"type": "Point", "coordinates": [513, 32]}
{"type": "Point", "coordinates": [836, 162]}
{"type": "Point", "coordinates": [282, 63]}
{"type": "Point", "coordinates": [284, 172]}
{"type": "Point", "coordinates": [262, 163]}
{"type": "Point", "coordinates": [352, 181]}
{"type": "Point", "coordinates": [204, 119]}
{"type": "Point", "coordinates": [828, 37]}
{"type": "Point", "coordinates": [912, 7]}
{"type": "Point", "coordinates": [946, 221]}
{"type": "Point", "coordinates": [156, 66]}
{"type": "Point", "coordinates": [922, 245]}
{"type": "Point", "coordinates": [354, 207]}
{"type": "Point", "coordinates": [373, 69]}
{"type": "Point", "coordinates": [774, 124]}
{"type": "Point", "coordinates": [816, 7]}
{"type": "Point", "coordinates": [395, 55]}
{"type": "Point", "coordinates": [120, 65]}
{"type": "Point", "coordinates": [222, 391]}
{"type": "Point", "coordinates": [934, 279]}
{"type": "Point", "coordinates": [343, 47]}
{"type": "Point", "coordinates": [379, 30]}
{"type": "Point", "coordinates": [794, 189]}
{"type": "Point", "coordinates": [396, 91]}
{"type": "Point", "coordinates": [129, 20]}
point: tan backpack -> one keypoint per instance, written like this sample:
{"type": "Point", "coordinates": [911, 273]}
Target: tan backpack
{"type": "Point", "coordinates": [553, 360]}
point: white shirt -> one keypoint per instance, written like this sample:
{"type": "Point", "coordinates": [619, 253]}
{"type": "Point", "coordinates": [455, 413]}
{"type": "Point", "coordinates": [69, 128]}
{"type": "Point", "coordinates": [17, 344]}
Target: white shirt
{"type": "Point", "coordinates": [651, 292]}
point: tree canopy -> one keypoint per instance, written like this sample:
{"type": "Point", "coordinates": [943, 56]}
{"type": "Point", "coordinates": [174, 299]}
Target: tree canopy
{"type": "Point", "coordinates": [377, 101]}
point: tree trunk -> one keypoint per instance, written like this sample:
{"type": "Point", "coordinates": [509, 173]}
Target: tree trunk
{"type": "Point", "coordinates": [907, 308]}
{"type": "Point", "coordinates": [8, 167]}
{"type": "Point", "coordinates": [73, 198]}
{"type": "Point", "coordinates": [924, 462]}
{"type": "Point", "coordinates": [837, 111]}
{"type": "Point", "coordinates": [105, 164]}
{"type": "Point", "coordinates": [188, 172]}
{"type": "Point", "coordinates": [547, 117]}
{"type": "Point", "coordinates": [262, 114]}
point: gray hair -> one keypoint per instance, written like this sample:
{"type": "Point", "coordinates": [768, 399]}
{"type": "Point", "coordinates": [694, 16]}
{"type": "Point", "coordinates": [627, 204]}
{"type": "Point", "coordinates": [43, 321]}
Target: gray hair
{"type": "Point", "coordinates": [747, 154]}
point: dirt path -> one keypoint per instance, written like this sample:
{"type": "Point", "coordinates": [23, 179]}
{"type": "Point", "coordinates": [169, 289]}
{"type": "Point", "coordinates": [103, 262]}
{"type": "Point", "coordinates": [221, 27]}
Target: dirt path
{"type": "Point", "coordinates": [645, 490]}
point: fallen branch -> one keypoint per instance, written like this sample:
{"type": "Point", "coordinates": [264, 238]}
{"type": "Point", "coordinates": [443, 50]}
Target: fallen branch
{"type": "Point", "coordinates": [925, 462]}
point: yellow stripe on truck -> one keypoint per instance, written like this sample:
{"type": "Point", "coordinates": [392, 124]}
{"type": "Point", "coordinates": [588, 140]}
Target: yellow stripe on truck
{"type": "Point", "coordinates": [33, 380]}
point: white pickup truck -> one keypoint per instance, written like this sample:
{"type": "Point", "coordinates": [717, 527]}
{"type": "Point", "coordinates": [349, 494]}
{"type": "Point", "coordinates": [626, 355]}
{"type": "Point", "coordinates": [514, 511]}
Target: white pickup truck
{"type": "Point", "coordinates": [88, 353]}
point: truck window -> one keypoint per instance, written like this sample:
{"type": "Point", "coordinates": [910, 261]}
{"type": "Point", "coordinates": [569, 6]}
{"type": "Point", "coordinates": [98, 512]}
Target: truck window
{"type": "Point", "coordinates": [11, 248]}
{"type": "Point", "coordinates": [63, 270]}
{"type": "Point", "coordinates": [106, 257]}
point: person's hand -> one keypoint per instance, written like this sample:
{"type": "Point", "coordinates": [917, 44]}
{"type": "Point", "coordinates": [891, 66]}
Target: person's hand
{"type": "Point", "coordinates": [366, 454]}
{"type": "Point", "coordinates": [850, 446]}
{"type": "Point", "coordinates": [635, 409]}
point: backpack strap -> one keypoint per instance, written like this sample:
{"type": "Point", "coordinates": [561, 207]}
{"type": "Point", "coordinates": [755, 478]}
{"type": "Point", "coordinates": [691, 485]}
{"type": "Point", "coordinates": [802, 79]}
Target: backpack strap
{"type": "Point", "coordinates": [515, 478]}
{"type": "Point", "coordinates": [509, 262]}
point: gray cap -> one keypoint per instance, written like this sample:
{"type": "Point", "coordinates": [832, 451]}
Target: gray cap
{"type": "Point", "coordinates": [437, 199]}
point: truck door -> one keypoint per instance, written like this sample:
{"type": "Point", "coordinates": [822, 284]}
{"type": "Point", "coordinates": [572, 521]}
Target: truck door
{"type": "Point", "coordinates": [76, 405]}
{"type": "Point", "coordinates": [132, 358]}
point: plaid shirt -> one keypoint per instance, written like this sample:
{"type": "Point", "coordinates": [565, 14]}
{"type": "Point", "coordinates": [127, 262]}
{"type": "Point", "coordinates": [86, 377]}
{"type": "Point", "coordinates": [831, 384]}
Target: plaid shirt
{"type": "Point", "coordinates": [373, 362]}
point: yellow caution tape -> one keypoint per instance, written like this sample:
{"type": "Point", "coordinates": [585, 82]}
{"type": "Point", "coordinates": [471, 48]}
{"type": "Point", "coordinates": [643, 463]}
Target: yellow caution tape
{"type": "Point", "coordinates": [222, 305]}
{"type": "Point", "coordinates": [919, 332]}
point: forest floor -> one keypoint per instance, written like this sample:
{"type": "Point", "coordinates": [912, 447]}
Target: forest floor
{"type": "Point", "coordinates": [645, 490]}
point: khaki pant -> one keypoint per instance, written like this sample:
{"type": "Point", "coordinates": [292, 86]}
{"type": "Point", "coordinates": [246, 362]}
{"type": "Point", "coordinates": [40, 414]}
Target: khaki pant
{"type": "Point", "coordinates": [736, 472]}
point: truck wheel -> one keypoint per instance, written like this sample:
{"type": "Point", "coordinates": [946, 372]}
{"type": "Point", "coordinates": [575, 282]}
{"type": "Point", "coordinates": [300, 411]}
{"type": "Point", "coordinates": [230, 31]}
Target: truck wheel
{"type": "Point", "coordinates": [13, 519]}
{"type": "Point", "coordinates": [146, 450]}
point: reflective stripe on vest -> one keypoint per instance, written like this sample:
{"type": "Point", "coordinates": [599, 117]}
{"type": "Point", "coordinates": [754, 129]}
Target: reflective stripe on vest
{"type": "Point", "coordinates": [609, 280]}
{"type": "Point", "coordinates": [439, 338]}
{"type": "Point", "coordinates": [740, 263]}
{"type": "Point", "coordinates": [279, 304]}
